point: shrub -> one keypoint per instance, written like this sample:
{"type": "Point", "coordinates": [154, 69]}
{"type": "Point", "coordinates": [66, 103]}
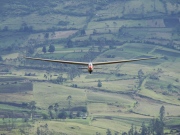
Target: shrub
{"type": "Point", "coordinates": [45, 116]}
{"type": "Point", "coordinates": [99, 83]}
{"type": "Point", "coordinates": [62, 115]}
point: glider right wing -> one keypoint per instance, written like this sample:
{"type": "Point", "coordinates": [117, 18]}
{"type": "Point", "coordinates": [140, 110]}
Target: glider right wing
{"type": "Point", "coordinates": [59, 61]}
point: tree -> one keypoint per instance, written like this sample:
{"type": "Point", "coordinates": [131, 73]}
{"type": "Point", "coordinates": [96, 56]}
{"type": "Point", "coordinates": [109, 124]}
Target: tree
{"type": "Point", "coordinates": [78, 114]}
{"type": "Point", "coordinates": [22, 131]}
{"type": "Point", "coordinates": [154, 76]}
{"type": "Point", "coordinates": [112, 47]}
{"type": "Point", "coordinates": [94, 31]}
{"type": "Point", "coordinates": [69, 44]}
{"type": "Point", "coordinates": [44, 49]}
{"type": "Point", "coordinates": [56, 107]}
{"type": "Point", "coordinates": [50, 108]}
{"type": "Point", "coordinates": [82, 32]}
{"type": "Point", "coordinates": [162, 113]}
{"type": "Point", "coordinates": [131, 131]}
{"type": "Point", "coordinates": [71, 115]}
{"type": "Point", "coordinates": [63, 23]}
{"type": "Point", "coordinates": [152, 126]}
{"type": "Point", "coordinates": [51, 48]}
{"type": "Point", "coordinates": [157, 125]}
{"type": "Point", "coordinates": [46, 35]}
{"type": "Point", "coordinates": [30, 50]}
{"type": "Point", "coordinates": [140, 74]}
{"type": "Point", "coordinates": [170, 87]}
{"type": "Point", "coordinates": [62, 115]}
{"type": "Point", "coordinates": [161, 117]}
{"type": "Point", "coordinates": [60, 79]}
{"type": "Point", "coordinates": [6, 28]}
{"type": "Point", "coordinates": [100, 47]}
{"type": "Point", "coordinates": [136, 132]}
{"type": "Point", "coordinates": [1, 59]}
{"type": "Point", "coordinates": [25, 28]}
{"type": "Point", "coordinates": [69, 98]}
{"type": "Point", "coordinates": [32, 107]}
{"type": "Point", "coordinates": [108, 132]}
{"type": "Point", "coordinates": [177, 79]}
{"type": "Point", "coordinates": [45, 76]}
{"type": "Point", "coordinates": [9, 48]}
{"type": "Point", "coordinates": [116, 133]}
{"type": "Point", "coordinates": [38, 131]}
{"type": "Point", "coordinates": [99, 83]}
{"type": "Point", "coordinates": [143, 129]}
{"type": "Point", "coordinates": [141, 77]}
{"type": "Point", "coordinates": [45, 116]}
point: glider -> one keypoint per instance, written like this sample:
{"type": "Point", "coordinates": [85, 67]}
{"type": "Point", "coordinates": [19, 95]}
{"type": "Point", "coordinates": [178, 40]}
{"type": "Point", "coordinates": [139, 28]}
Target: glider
{"type": "Point", "coordinates": [90, 65]}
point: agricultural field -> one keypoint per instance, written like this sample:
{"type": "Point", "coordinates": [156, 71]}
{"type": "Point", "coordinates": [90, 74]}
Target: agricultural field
{"type": "Point", "coordinates": [51, 98]}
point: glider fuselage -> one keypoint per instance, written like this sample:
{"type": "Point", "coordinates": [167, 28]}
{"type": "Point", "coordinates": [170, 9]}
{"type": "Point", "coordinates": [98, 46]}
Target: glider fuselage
{"type": "Point", "coordinates": [90, 67]}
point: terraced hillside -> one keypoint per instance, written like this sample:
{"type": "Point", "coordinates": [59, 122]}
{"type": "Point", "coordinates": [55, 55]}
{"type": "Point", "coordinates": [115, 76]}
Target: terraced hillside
{"type": "Point", "coordinates": [50, 98]}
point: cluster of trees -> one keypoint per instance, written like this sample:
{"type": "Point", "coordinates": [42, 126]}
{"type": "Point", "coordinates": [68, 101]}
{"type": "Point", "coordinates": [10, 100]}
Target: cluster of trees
{"type": "Point", "coordinates": [155, 127]}
{"type": "Point", "coordinates": [25, 28]}
{"type": "Point", "coordinates": [172, 88]}
{"type": "Point", "coordinates": [63, 23]}
{"type": "Point", "coordinates": [63, 114]}
{"type": "Point", "coordinates": [30, 74]}
{"type": "Point", "coordinates": [90, 41]}
{"type": "Point", "coordinates": [9, 119]}
{"type": "Point", "coordinates": [71, 70]}
{"type": "Point", "coordinates": [154, 76]}
{"type": "Point", "coordinates": [51, 49]}
{"type": "Point", "coordinates": [56, 113]}
{"type": "Point", "coordinates": [74, 85]}
{"type": "Point", "coordinates": [10, 48]}
{"type": "Point", "coordinates": [60, 79]}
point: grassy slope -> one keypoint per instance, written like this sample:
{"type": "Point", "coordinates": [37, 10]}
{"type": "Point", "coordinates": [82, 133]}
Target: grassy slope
{"type": "Point", "coordinates": [102, 104]}
{"type": "Point", "coordinates": [57, 94]}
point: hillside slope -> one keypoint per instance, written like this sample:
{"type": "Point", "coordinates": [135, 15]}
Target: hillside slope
{"type": "Point", "coordinates": [41, 97]}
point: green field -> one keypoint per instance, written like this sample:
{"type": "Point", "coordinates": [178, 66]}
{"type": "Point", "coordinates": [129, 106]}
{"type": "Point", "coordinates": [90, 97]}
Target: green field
{"type": "Point", "coordinates": [130, 93]}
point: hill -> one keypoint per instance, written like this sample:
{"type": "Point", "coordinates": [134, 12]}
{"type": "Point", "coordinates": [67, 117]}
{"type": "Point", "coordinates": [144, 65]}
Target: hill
{"type": "Point", "coordinates": [41, 97]}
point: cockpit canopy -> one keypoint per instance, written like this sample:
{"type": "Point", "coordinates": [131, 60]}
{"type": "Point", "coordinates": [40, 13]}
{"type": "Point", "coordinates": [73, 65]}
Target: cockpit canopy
{"type": "Point", "coordinates": [90, 64]}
